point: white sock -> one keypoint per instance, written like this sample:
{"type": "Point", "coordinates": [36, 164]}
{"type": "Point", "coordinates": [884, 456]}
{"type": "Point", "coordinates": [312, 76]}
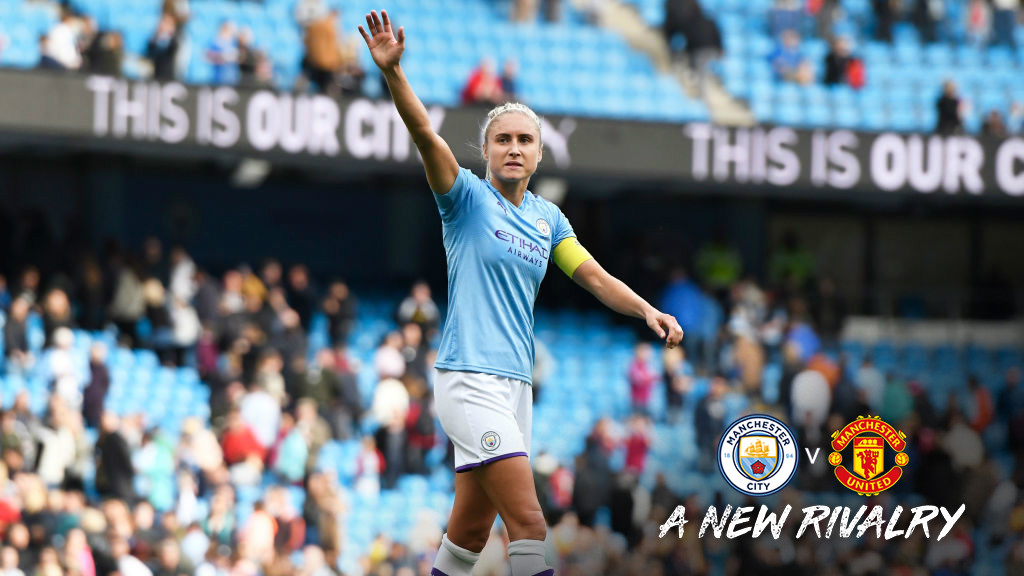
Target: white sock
{"type": "Point", "coordinates": [452, 560]}
{"type": "Point", "coordinates": [527, 557]}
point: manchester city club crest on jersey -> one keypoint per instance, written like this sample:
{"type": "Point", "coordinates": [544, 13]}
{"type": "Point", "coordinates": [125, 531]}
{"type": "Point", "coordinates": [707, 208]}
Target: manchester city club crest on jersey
{"type": "Point", "coordinates": [758, 455]}
{"type": "Point", "coordinates": [490, 441]}
{"type": "Point", "coordinates": [543, 227]}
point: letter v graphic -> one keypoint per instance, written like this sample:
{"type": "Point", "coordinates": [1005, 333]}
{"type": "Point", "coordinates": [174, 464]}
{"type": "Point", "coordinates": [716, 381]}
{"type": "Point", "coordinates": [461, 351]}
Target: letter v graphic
{"type": "Point", "coordinates": [812, 458]}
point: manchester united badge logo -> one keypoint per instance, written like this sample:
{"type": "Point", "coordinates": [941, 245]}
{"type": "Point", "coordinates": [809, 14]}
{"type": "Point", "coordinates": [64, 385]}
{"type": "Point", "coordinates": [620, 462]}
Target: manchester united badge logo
{"type": "Point", "coordinates": [866, 444]}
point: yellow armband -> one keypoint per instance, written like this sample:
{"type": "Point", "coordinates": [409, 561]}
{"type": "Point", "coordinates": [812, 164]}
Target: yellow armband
{"type": "Point", "coordinates": [569, 254]}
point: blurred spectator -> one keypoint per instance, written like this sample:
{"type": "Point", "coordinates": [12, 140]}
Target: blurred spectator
{"type": "Point", "coordinates": [872, 383]}
{"type": "Point", "coordinates": [544, 364]}
{"type": "Point", "coordinates": [222, 54]}
{"type": "Point", "coordinates": [114, 471]}
{"type": "Point", "coordinates": [1005, 18]}
{"type": "Point", "coordinates": [826, 13]}
{"type": "Point", "coordinates": [91, 296]}
{"type": "Point", "coordinates": [828, 309]}
{"type": "Point", "coordinates": [260, 410]}
{"type": "Point", "coordinates": [719, 265]}
{"type": "Point", "coordinates": [788, 61]}
{"type": "Point", "coordinates": [99, 382]}
{"type": "Point", "coordinates": [351, 73]}
{"type": "Point", "coordinates": [249, 58]}
{"type": "Point", "coordinates": [61, 48]}
{"type": "Point", "coordinates": [388, 359]}
{"type": "Point", "coordinates": [162, 49]}
{"type": "Point", "coordinates": [105, 53]}
{"type": "Point", "coordinates": [993, 126]}
{"type": "Point", "coordinates": [370, 465]}
{"type": "Point", "coordinates": [926, 15]}
{"type": "Point", "coordinates": [683, 299]}
{"type": "Point", "coordinates": [790, 262]}
{"type": "Point", "coordinates": [509, 79]}
{"type": "Point", "coordinates": [5, 293]}
{"type": "Point", "coordinates": [978, 22]}
{"type": "Point", "coordinates": [526, 10]}
{"type": "Point", "coordinates": [703, 37]}
{"type": "Point", "coordinates": [56, 314]}
{"type": "Point", "coordinates": [709, 421]}
{"type": "Point", "coordinates": [1011, 397]}
{"type": "Point", "coordinates": [340, 306]}
{"type": "Point", "coordinates": [641, 378]}
{"type": "Point", "coordinates": [323, 59]}
{"type": "Point", "coordinates": [391, 409]}
{"type": "Point", "coordinates": [786, 16]}
{"type": "Point", "coordinates": [837, 62]}
{"type": "Point", "coordinates": [948, 108]}
{"type": "Point", "coordinates": [66, 378]}
{"type": "Point", "coordinates": [309, 11]}
{"type": "Point", "coordinates": [128, 304]}
{"type": "Point", "coordinates": [676, 374]}
{"type": "Point", "coordinates": [592, 481]}
{"type": "Point", "coordinates": [16, 346]}
{"type": "Point", "coordinates": [419, 307]}
{"type": "Point", "coordinates": [897, 401]}
{"type": "Point", "coordinates": [801, 333]}
{"type": "Point", "coordinates": [419, 426]}
{"type": "Point", "coordinates": [239, 441]}
{"type": "Point", "coordinates": [291, 451]}
{"type": "Point", "coordinates": [638, 443]}
{"type": "Point", "coordinates": [811, 399]}
{"type": "Point", "coordinates": [980, 409]}
{"type": "Point", "coordinates": [178, 9]}
{"type": "Point", "coordinates": [483, 85]}
{"type": "Point", "coordinates": [884, 13]}
{"type": "Point", "coordinates": [301, 294]}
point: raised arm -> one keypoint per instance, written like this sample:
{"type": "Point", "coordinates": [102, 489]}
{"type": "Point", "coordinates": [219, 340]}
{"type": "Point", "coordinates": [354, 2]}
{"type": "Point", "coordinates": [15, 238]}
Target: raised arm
{"type": "Point", "coordinates": [614, 294]}
{"type": "Point", "coordinates": [386, 48]}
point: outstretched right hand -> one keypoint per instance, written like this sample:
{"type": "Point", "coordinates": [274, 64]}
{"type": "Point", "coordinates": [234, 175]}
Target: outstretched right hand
{"type": "Point", "coordinates": [385, 47]}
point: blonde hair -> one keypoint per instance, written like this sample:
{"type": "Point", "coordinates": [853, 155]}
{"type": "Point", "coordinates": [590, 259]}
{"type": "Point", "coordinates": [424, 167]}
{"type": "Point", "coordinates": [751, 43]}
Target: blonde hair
{"type": "Point", "coordinates": [501, 110]}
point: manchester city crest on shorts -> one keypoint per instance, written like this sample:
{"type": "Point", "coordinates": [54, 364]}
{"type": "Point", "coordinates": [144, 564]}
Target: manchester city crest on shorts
{"type": "Point", "coordinates": [543, 227]}
{"type": "Point", "coordinates": [758, 455]}
{"type": "Point", "coordinates": [490, 441]}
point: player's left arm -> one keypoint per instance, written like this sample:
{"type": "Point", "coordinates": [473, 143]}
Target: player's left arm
{"type": "Point", "coordinates": [578, 264]}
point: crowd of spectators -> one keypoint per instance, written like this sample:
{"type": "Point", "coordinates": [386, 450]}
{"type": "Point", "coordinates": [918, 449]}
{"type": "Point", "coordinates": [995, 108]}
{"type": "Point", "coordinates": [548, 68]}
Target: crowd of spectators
{"type": "Point", "coordinates": [165, 504]}
{"type": "Point", "coordinates": [329, 65]}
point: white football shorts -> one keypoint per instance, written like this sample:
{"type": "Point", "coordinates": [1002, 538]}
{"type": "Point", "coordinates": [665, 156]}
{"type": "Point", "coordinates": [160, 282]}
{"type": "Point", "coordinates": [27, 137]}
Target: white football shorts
{"type": "Point", "coordinates": [487, 417]}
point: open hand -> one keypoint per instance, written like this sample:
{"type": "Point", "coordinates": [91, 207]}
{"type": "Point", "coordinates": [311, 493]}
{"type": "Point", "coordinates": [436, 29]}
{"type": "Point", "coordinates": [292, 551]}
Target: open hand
{"type": "Point", "coordinates": [385, 47]}
{"type": "Point", "coordinates": [666, 327]}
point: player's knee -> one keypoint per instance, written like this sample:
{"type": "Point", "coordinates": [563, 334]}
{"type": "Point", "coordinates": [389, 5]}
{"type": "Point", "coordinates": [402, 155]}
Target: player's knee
{"type": "Point", "coordinates": [528, 525]}
{"type": "Point", "coordinates": [472, 538]}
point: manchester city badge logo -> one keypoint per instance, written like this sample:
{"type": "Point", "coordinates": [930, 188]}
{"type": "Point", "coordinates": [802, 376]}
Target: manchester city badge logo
{"type": "Point", "coordinates": [543, 227]}
{"type": "Point", "coordinates": [490, 441]}
{"type": "Point", "coordinates": [758, 455]}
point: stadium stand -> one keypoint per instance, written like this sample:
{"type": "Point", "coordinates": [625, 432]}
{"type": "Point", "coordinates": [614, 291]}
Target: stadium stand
{"type": "Point", "coordinates": [602, 75]}
{"type": "Point", "coordinates": [903, 79]}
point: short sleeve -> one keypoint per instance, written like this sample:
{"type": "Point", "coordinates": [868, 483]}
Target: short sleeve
{"type": "Point", "coordinates": [562, 229]}
{"type": "Point", "coordinates": [450, 205]}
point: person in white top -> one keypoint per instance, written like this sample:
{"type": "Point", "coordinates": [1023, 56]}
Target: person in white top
{"type": "Point", "coordinates": [811, 398]}
{"type": "Point", "coordinates": [62, 42]}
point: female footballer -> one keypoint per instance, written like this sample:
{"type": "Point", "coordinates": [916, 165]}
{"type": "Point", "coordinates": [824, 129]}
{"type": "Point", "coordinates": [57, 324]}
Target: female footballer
{"type": "Point", "coordinates": [498, 239]}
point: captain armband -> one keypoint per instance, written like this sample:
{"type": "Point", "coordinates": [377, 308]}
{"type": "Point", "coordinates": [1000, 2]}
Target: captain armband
{"type": "Point", "coordinates": [569, 254]}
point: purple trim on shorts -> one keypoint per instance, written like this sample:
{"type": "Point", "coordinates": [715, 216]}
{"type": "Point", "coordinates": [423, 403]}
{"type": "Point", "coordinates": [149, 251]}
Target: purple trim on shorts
{"type": "Point", "coordinates": [436, 572]}
{"type": "Point", "coordinates": [467, 467]}
{"type": "Point", "coordinates": [546, 573]}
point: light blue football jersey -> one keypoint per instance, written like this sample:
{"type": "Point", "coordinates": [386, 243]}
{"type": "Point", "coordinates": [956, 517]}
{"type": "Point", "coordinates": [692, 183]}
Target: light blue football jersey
{"type": "Point", "coordinates": [497, 256]}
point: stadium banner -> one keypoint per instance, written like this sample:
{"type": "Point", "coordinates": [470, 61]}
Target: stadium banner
{"type": "Point", "coordinates": [108, 114]}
